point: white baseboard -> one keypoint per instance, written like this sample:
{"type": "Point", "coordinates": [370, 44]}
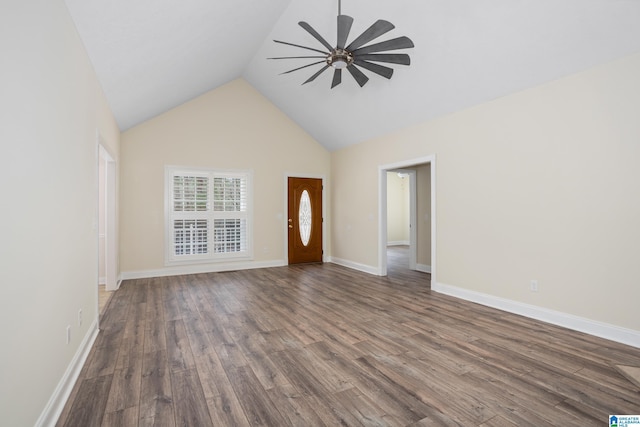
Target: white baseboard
{"type": "Point", "coordinates": [200, 268]}
{"type": "Point", "coordinates": [399, 243]}
{"type": "Point", "coordinates": [356, 266]}
{"type": "Point", "coordinates": [102, 280]}
{"type": "Point", "coordinates": [592, 327]}
{"type": "Point", "coordinates": [52, 411]}
{"type": "Point", "coordinates": [117, 286]}
{"type": "Point", "coordinates": [423, 268]}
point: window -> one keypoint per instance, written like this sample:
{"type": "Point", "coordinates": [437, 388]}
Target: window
{"type": "Point", "coordinates": [208, 215]}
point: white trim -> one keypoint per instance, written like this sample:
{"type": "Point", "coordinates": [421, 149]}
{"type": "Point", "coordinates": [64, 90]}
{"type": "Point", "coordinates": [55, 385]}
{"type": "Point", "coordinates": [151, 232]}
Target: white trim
{"type": "Point", "coordinates": [423, 268]}
{"type": "Point", "coordinates": [54, 407]}
{"type": "Point", "coordinates": [413, 218]}
{"type": "Point", "coordinates": [201, 268]}
{"type": "Point", "coordinates": [434, 211]}
{"type": "Point", "coordinates": [110, 248]}
{"type": "Point", "coordinates": [355, 266]}
{"type": "Point", "coordinates": [399, 243]}
{"type": "Point", "coordinates": [103, 282]}
{"type": "Point", "coordinates": [285, 224]}
{"type": "Point", "coordinates": [382, 222]}
{"type": "Point", "coordinates": [576, 323]}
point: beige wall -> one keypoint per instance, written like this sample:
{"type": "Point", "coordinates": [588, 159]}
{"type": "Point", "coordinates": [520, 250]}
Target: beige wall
{"type": "Point", "coordinates": [538, 185]}
{"type": "Point", "coordinates": [232, 127]}
{"type": "Point", "coordinates": [397, 209]}
{"type": "Point", "coordinates": [50, 108]}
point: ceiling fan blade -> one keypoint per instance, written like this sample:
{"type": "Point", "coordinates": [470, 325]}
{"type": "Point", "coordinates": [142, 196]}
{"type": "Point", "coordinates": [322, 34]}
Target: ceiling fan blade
{"type": "Point", "coordinates": [296, 57]}
{"type": "Point", "coordinates": [392, 58]}
{"type": "Point", "coordinates": [337, 78]}
{"type": "Point", "coordinates": [378, 28]}
{"type": "Point", "coordinates": [393, 44]}
{"type": "Point", "coordinates": [358, 75]}
{"type": "Point", "coordinates": [304, 66]}
{"type": "Point", "coordinates": [312, 78]}
{"type": "Point", "coordinates": [344, 26]}
{"type": "Point", "coordinates": [378, 69]}
{"type": "Point", "coordinates": [315, 34]}
{"type": "Point", "coordinates": [303, 47]}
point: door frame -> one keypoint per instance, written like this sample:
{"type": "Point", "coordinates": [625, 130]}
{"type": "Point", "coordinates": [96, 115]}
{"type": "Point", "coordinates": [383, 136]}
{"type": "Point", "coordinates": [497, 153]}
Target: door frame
{"type": "Point", "coordinates": [110, 216]}
{"type": "Point", "coordinates": [382, 210]}
{"type": "Point", "coordinates": [283, 217]}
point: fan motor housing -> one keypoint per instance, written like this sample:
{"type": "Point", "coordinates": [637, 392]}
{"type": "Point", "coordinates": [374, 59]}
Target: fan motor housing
{"type": "Point", "coordinates": [339, 58]}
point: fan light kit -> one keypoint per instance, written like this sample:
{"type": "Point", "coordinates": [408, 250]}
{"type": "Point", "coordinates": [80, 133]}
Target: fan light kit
{"type": "Point", "coordinates": [355, 54]}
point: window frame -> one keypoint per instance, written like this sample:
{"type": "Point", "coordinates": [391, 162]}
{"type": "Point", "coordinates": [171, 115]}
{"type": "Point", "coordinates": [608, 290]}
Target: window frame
{"type": "Point", "coordinates": [210, 214]}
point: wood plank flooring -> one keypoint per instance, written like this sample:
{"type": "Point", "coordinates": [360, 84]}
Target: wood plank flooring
{"type": "Point", "coordinates": [322, 345]}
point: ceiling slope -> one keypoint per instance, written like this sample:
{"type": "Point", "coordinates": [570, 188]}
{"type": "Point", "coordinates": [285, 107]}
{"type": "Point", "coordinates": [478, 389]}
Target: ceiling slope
{"type": "Point", "coordinates": [153, 55]}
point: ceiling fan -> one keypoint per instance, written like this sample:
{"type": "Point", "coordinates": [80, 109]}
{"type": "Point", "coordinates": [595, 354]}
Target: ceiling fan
{"type": "Point", "coordinates": [355, 54]}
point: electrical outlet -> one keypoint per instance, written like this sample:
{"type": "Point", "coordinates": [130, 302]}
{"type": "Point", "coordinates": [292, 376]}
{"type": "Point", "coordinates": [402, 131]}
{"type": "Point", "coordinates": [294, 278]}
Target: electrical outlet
{"type": "Point", "coordinates": [80, 317]}
{"type": "Point", "coordinates": [68, 334]}
{"type": "Point", "coordinates": [534, 286]}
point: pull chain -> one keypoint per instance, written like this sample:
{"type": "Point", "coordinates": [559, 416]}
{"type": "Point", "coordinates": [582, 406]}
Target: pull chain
{"type": "Point", "coordinates": [339, 7]}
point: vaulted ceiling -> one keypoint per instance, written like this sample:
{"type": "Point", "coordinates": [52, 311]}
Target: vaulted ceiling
{"type": "Point", "coordinates": [152, 55]}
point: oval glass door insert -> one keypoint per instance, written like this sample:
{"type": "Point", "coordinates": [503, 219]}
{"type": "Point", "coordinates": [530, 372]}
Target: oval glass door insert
{"type": "Point", "coordinates": [304, 217]}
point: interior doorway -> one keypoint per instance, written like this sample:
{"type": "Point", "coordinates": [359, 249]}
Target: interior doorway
{"type": "Point", "coordinates": [402, 216]}
{"type": "Point", "coordinates": [422, 243]}
{"type": "Point", "coordinates": [304, 220]}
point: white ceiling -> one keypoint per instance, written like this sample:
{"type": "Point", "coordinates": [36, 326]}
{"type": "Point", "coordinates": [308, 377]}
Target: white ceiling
{"type": "Point", "coordinates": [152, 55]}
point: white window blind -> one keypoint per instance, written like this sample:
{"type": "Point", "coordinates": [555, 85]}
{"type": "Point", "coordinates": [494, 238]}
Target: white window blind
{"type": "Point", "coordinates": [208, 215]}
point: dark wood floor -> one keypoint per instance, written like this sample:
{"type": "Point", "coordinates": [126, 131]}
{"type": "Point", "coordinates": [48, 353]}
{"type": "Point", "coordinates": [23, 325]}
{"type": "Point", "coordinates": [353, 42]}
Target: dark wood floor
{"type": "Point", "coordinates": [325, 345]}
